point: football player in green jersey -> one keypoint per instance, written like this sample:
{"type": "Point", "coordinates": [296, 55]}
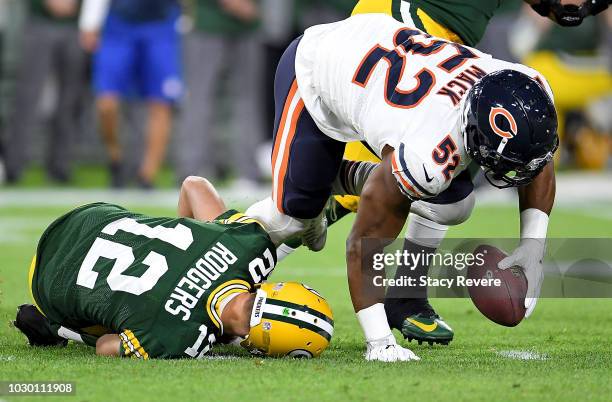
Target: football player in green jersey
{"type": "Point", "coordinates": [150, 287]}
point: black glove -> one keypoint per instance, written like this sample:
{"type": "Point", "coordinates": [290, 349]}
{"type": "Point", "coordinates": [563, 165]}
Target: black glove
{"type": "Point", "coordinates": [36, 327]}
{"type": "Point", "coordinates": [570, 15]}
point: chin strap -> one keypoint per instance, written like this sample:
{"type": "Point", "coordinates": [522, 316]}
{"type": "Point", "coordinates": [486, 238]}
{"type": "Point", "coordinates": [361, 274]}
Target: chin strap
{"type": "Point", "coordinates": [570, 15]}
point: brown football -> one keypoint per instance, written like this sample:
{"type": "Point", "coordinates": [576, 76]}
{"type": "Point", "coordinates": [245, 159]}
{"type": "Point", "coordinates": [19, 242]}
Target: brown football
{"type": "Point", "coordinates": [503, 304]}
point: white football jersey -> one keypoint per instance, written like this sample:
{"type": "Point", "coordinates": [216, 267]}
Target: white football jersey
{"type": "Point", "coordinates": [371, 78]}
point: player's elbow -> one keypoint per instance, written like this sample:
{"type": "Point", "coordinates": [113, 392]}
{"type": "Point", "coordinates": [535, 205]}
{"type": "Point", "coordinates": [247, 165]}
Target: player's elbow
{"type": "Point", "coordinates": [195, 182]}
{"type": "Point", "coordinates": [108, 345]}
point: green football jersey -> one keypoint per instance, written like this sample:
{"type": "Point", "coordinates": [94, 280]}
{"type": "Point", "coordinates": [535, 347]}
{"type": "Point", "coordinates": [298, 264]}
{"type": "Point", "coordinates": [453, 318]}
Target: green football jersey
{"type": "Point", "coordinates": [160, 283]}
{"type": "Point", "coordinates": [467, 19]}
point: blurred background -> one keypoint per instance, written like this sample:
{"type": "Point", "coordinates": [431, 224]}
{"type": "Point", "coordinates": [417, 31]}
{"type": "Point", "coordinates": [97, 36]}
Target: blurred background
{"type": "Point", "coordinates": [89, 99]}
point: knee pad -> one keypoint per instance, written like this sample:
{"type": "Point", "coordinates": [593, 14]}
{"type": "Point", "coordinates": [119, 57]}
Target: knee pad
{"type": "Point", "coordinates": [279, 226]}
{"type": "Point", "coordinates": [445, 214]}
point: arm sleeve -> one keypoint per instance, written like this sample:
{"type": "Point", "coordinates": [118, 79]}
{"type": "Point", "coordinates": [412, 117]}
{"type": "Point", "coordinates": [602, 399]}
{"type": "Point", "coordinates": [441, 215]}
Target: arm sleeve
{"type": "Point", "coordinates": [76, 336]}
{"type": "Point", "coordinates": [93, 14]}
{"type": "Point", "coordinates": [137, 344]}
{"type": "Point", "coordinates": [415, 177]}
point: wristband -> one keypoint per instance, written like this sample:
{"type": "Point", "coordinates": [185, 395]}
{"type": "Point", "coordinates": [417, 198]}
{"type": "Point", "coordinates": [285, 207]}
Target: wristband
{"type": "Point", "coordinates": [534, 224]}
{"type": "Point", "coordinates": [373, 321]}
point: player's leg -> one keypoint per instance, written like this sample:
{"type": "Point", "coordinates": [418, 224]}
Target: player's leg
{"type": "Point", "coordinates": [408, 310]}
{"type": "Point", "coordinates": [36, 327]}
{"type": "Point", "coordinates": [112, 73]}
{"type": "Point", "coordinates": [305, 163]}
{"type": "Point", "coordinates": [160, 65]}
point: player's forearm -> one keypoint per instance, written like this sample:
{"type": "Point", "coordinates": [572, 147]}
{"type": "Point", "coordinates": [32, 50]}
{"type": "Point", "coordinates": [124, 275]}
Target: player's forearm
{"type": "Point", "coordinates": [382, 213]}
{"type": "Point", "coordinates": [363, 293]}
{"type": "Point", "coordinates": [535, 202]}
{"type": "Point", "coordinates": [540, 193]}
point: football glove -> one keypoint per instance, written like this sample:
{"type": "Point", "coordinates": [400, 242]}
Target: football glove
{"type": "Point", "coordinates": [528, 256]}
{"type": "Point", "coordinates": [387, 350]}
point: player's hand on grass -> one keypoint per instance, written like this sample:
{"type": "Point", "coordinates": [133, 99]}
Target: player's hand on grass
{"type": "Point", "coordinates": [387, 350]}
{"type": "Point", "coordinates": [528, 256]}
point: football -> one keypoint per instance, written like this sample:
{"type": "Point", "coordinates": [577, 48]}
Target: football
{"type": "Point", "coordinates": [498, 294]}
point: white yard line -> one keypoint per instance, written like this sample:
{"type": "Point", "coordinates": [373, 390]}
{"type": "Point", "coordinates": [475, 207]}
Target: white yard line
{"type": "Point", "coordinates": [573, 190]}
{"type": "Point", "coordinates": [18, 230]}
{"type": "Point", "coordinates": [157, 198]}
{"type": "Point", "coordinates": [522, 355]}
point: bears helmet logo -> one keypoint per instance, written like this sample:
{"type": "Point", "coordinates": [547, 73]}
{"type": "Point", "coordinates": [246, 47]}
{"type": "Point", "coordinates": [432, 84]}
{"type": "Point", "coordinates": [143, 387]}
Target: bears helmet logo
{"type": "Point", "coordinates": [500, 111]}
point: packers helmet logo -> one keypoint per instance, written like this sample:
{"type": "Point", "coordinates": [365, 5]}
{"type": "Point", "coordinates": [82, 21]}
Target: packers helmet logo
{"type": "Point", "coordinates": [500, 111]}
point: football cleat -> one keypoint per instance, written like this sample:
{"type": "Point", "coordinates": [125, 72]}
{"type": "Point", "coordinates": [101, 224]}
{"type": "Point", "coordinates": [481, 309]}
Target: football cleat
{"type": "Point", "coordinates": [427, 327]}
{"type": "Point", "coordinates": [314, 235]}
{"type": "Point", "coordinates": [289, 319]}
{"type": "Point", "coordinates": [35, 326]}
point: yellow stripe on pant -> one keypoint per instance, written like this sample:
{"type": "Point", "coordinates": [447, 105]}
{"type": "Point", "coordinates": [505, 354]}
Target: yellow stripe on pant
{"type": "Point", "coordinates": [356, 151]}
{"type": "Point", "coordinates": [30, 283]}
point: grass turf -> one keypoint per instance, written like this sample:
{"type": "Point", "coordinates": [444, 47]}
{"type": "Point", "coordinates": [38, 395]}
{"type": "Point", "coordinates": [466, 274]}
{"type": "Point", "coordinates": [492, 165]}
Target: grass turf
{"type": "Point", "coordinates": [573, 337]}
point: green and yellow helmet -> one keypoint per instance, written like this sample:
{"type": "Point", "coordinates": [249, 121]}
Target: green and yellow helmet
{"type": "Point", "coordinates": [289, 319]}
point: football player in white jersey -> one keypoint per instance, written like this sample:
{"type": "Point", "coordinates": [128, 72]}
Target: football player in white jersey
{"type": "Point", "coordinates": [428, 108]}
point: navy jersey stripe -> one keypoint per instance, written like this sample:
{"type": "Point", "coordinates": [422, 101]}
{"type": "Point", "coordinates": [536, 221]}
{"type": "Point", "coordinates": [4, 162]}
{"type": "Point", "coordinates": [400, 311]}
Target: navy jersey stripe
{"type": "Point", "coordinates": [407, 172]}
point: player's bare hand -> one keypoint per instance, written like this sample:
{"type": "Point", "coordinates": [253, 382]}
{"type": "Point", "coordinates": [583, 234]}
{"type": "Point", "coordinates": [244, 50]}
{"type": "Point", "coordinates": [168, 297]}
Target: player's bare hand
{"type": "Point", "coordinates": [528, 256]}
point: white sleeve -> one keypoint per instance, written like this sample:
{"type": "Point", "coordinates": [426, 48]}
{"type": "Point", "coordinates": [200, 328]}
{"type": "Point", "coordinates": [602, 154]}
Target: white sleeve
{"type": "Point", "coordinates": [413, 174]}
{"type": "Point", "coordinates": [93, 14]}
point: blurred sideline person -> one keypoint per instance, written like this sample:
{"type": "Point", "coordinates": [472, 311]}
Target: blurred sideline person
{"type": "Point", "coordinates": [224, 51]}
{"type": "Point", "coordinates": [3, 26]}
{"type": "Point", "coordinates": [49, 46]}
{"type": "Point", "coordinates": [137, 55]}
{"type": "Point", "coordinates": [152, 287]}
{"type": "Point", "coordinates": [577, 65]}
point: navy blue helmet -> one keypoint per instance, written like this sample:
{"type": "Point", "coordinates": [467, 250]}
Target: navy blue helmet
{"type": "Point", "coordinates": [509, 127]}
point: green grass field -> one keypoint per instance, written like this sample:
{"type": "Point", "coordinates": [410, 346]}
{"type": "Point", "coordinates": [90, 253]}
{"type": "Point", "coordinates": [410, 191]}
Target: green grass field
{"type": "Point", "coordinates": [571, 337]}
